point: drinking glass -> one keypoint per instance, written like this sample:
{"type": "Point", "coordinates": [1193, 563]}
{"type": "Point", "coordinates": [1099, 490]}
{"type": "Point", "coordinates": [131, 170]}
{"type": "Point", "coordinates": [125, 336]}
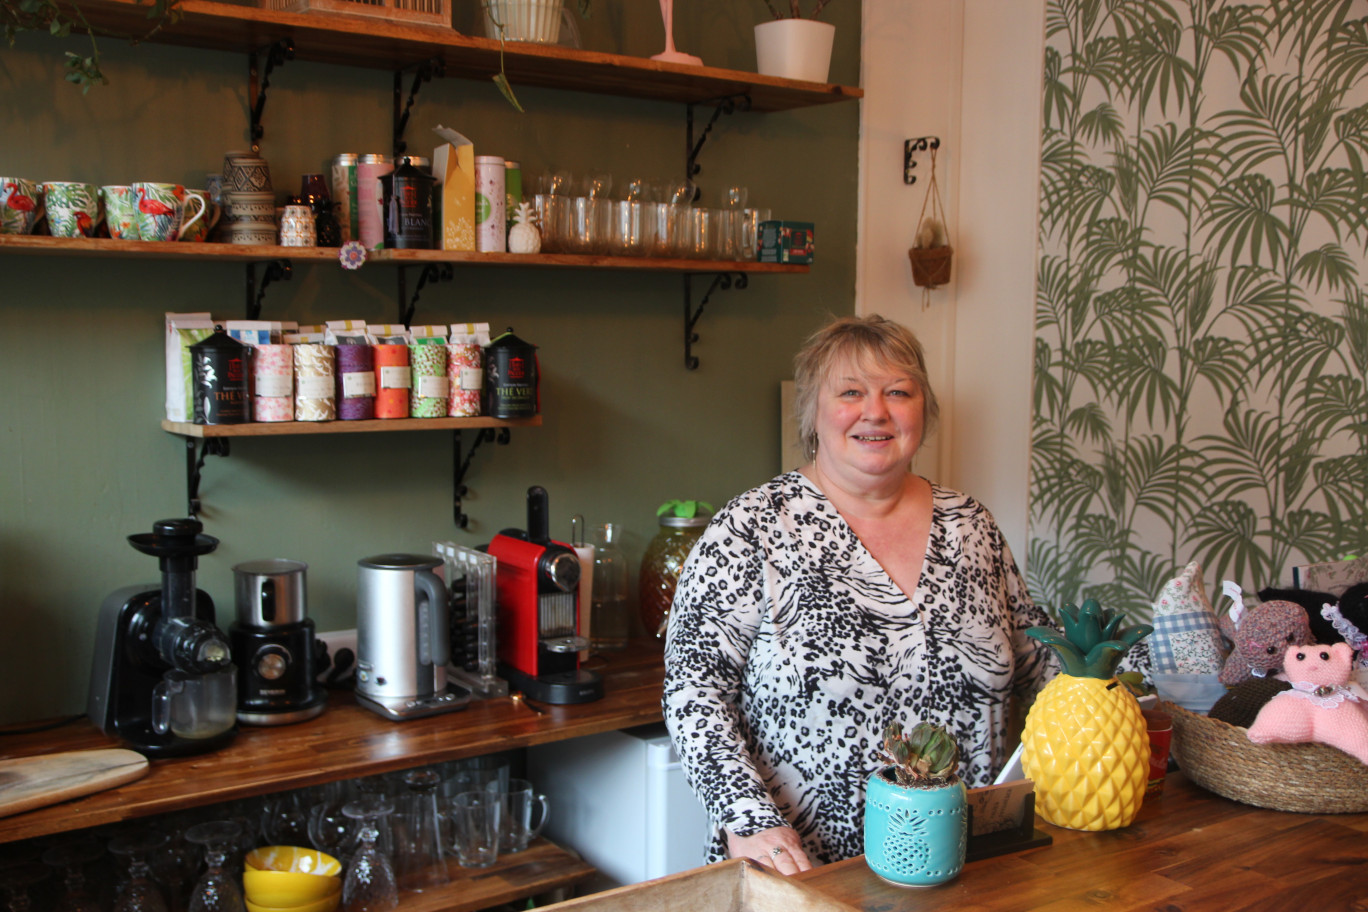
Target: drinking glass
{"type": "Point", "coordinates": [608, 617]}
{"type": "Point", "coordinates": [750, 232]}
{"type": "Point", "coordinates": [628, 228]}
{"type": "Point", "coordinates": [20, 870]}
{"type": "Point", "coordinates": [328, 826]}
{"type": "Point", "coordinates": [519, 801]}
{"type": "Point", "coordinates": [475, 820]}
{"type": "Point", "coordinates": [72, 858]}
{"type": "Point", "coordinates": [370, 885]}
{"type": "Point", "coordinates": [139, 891]}
{"type": "Point", "coordinates": [421, 859]}
{"type": "Point", "coordinates": [217, 889]}
{"type": "Point", "coordinates": [285, 819]}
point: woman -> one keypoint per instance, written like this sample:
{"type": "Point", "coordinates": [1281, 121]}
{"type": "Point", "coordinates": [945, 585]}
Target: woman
{"type": "Point", "coordinates": [820, 606]}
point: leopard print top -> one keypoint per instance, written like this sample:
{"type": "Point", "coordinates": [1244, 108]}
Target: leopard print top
{"type": "Point", "coordinates": [790, 649]}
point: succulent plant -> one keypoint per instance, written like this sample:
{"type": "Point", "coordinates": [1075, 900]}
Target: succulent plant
{"type": "Point", "coordinates": [928, 755]}
{"type": "Point", "coordinates": [684, 509]}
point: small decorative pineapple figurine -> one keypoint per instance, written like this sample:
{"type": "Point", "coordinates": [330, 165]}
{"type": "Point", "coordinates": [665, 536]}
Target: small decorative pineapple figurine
{"type": "Point", "coordinates": [1085, 743]}
{"type": "Point", "coordinates": [916, 829]}
{"type": "Point", "coordinates": [523, 237]}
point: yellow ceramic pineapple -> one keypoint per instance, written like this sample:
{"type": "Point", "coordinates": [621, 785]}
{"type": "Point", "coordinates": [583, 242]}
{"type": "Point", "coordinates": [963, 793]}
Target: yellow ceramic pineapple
{"type": "Point", "coordinates": [1085, 743]}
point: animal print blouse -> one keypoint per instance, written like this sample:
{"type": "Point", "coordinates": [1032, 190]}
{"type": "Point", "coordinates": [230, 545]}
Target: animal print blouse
{"type": "Point", "coordinates": [790, 649]}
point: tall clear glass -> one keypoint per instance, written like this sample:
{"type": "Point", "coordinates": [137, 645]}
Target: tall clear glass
{"type": "Point", "coordinates": [370, 884]}
{"type": "Point", "coordinates": [218, 889]}
{"type": "Point", "coordinates": [138, 892]}
{"type": "Point", "coordinates": [421, 861]}
{"type": "Point", "coordinates": [608, 618]}
{"type": "Point", "coordinates": [71, 859]}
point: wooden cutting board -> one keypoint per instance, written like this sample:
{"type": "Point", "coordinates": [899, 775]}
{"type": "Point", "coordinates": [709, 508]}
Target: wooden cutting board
{"type": "Point", "coordinates": [30, 782]}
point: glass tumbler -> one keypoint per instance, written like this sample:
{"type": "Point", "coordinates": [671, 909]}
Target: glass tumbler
{"type": "Point", "coordinates": [422, 860]}
{"type": "Point", "coordinates": [608, 618]}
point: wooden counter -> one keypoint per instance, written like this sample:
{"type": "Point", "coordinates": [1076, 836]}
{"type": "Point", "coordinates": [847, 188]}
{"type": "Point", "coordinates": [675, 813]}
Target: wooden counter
{"type": "Point", "coordinates": [345, 742]}
{"type": "Point", "coordinates": [1189, 851]}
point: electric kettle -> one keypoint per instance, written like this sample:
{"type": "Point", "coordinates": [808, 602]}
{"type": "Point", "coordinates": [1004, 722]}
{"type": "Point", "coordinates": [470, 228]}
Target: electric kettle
{"type": "Point", "coordinates": [402, 638]}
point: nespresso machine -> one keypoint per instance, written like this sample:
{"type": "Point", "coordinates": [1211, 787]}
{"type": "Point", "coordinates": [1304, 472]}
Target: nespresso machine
{"type": "Point", "coordinates": [538, 596]}
{"type": "Point", "coordinates": [162, 678]}
{"type": "Point", "coordinates": [273, 644]}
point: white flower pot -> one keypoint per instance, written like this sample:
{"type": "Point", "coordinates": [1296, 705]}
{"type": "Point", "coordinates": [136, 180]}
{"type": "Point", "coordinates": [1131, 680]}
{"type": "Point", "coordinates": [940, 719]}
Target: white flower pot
{"type": "Point", "coordinates": [538, 21]}
{"type": "Point", "coordinates": [794, 49]}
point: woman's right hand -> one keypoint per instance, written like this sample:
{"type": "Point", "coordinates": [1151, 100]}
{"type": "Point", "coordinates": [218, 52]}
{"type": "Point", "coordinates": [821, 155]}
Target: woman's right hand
{"type": "Point", "coordinates": [778, 848]}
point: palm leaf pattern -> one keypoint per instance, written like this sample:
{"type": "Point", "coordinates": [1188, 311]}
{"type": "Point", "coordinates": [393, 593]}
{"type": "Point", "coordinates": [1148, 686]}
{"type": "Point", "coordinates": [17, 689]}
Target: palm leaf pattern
{"type": "Point", "coordinates": [1201, 351]}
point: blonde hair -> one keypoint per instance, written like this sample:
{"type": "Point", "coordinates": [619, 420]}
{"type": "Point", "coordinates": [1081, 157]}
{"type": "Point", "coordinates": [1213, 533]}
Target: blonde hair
{"type": "Point", "coordinates": [861, 341]}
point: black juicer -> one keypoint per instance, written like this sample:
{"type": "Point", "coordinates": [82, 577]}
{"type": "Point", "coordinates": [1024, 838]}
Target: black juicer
{"type": "Point", "coordinates": [162, 678]}
{"type": "Point", "coordinates": [273, 644]}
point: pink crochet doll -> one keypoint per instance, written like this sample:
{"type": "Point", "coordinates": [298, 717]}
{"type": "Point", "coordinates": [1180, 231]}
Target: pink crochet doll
{"type": "Point", "coordinates": [1323, 704]}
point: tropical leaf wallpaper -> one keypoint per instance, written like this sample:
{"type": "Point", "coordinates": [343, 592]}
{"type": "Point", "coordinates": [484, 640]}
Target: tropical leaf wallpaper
{"type": "Point", "coordinates": [1202, 298]}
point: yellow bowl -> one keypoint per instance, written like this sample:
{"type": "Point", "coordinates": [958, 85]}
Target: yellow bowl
{"type": "Point", "coordinates": [293, 858]}
{"type": "Point", "coordinates": [289, 889]}
{"type": "Point", "coordinates": [326, 904]}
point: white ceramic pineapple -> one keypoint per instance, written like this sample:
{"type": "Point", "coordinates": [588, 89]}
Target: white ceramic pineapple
{"type": "Point", "coordinates": [523, 237]}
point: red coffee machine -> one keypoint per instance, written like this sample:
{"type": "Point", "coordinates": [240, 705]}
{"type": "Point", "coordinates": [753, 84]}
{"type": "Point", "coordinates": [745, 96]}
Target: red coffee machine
{"type": "Point", "coordinates": [537, 580]}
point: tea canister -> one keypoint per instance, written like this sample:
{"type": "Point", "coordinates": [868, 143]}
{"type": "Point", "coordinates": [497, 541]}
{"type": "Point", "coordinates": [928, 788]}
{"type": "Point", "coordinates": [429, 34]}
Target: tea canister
{"type": "Point", "coordinates": [491, 231]}
{"type": "Point", "coordinates": [221, 386]}
{"type": "Point", "coordinates": [407, 195]}
{"type": "Point", "coordinates": [513, 194]}
{"type": "Point", "coordinates": [511, 378]}
{"type": "Point", "coordinates": [344, 196]}
{"type": "Point", "coordinates": [370, 214]}
{"type": "Point", "coordinates": [297, 227]}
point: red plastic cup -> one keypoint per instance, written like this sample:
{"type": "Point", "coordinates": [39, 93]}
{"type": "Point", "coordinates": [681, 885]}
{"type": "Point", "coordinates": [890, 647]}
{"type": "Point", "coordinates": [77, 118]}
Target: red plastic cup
{"type": "Point", "coordinates": [1160, 727]}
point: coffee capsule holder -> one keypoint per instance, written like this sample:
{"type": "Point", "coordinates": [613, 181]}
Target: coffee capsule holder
{"type": "Point", "coordinates": [469, 575]}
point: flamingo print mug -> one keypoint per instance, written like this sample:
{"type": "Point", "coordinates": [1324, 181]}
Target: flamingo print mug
{"type": "Point", "coordinates": [21, 205]}
{"type": "Point", "coordinates": [121, 212]}
{"type": "Point", "coordinates": [164, 210]}
{"type": "Point", "coordinates": [73, 208]}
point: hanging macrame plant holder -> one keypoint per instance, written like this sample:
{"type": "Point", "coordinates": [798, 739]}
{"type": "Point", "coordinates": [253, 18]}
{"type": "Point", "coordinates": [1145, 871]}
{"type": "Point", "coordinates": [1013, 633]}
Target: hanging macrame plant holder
{"type": "Point", "coordinates": [931, 265]}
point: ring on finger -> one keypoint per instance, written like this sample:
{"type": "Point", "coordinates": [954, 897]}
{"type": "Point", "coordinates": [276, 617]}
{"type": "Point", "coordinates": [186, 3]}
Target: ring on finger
{"type": "Point", "coordinates": [776, 851]}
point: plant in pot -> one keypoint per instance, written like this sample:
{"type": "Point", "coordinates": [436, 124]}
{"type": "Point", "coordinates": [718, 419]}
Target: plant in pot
{"type": "Point", "coordinates": [1086, 745]}
{"type": "Point", "coordinates": [681, 523]}
{"type": "Point", "coordinates": [916, 827]}
{"type": "Point", "coordinates": [794, 46]}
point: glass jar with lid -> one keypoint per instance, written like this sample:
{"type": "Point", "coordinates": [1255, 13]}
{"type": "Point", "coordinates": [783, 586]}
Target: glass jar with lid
{"type": "Point", "coordinates": [661, 566]}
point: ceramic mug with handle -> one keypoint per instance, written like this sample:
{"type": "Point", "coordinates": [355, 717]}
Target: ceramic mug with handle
{"type": "Point", "coordinates": [21, 205]}
{"type": "Point", "coordinates": [198, 230]}
{"type": "Point", "coordinates": [121, 211]}
{"type": "Point", "coordinates": [73, 208]}
{"type": "Point", "coordinates": [165, 210]}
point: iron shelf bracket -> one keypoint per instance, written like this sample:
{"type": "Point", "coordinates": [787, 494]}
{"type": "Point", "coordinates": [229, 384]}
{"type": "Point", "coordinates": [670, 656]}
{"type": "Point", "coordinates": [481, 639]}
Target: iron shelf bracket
{"type": "Point", "coordinates": [462, 466]}
{"type": "Point", "coordinates": [432, 272]}
{"type": "Point", "coordinates": [423, 72]}
{"type": "Point", "coordinates": [910, 148]}
{"type": "Point", "coordinates": [275, 270]}
{"type": "Point", "coordinates": [276, 55]}
{"type": "Point", "coordinates": [722, 280]}
{"type": "Point", "coordinates": [194, 467]}
{"type": "Point", "coordinates": [728, 104]}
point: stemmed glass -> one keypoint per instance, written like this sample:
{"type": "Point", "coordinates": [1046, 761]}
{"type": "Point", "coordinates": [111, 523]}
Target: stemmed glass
{"type": "Point", "coordinates": [328, 826]}
{"type": "Point", "coordinates": [217, 890]}
{"type": "Point", "coordinates": [17, 873]}
{"type": "Point", "coordinates": [71, 858]}
{"type": "Point", "coordinates": [370, 885]}
{"type": "Point", "coordinates": [139, 892]}
{"type": "Point", "coordinates": [285, 820]}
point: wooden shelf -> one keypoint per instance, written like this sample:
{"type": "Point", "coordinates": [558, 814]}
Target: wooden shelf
{"type": "Point", "coordinates": [541, 867]}
{"type": "Point", "coordinates": [256, 253]}
{"type": "Point", "coordinates": [374, 425]}
{"type": "Point", "coordinates": [390, 44]}
{"type": "Point", "coordinates": [345, 742]}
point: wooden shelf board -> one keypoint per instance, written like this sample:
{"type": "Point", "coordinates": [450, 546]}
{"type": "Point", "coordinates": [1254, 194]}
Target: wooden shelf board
{"type": "Point", "coordinates": [541, 867]}
{"type": "Point", "coordinates": [295, 428]}
{"type": "Point", "coordinates": [391, 44]}
{"type": "Point", "coordinates": [256, 253]}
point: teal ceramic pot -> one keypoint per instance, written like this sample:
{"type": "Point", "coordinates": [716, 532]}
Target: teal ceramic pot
{"type": "Point", "coordinates": [914, 837]}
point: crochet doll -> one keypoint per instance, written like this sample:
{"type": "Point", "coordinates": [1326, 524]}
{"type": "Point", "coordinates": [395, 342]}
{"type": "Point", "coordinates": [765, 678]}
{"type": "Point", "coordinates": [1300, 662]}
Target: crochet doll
{"type": "Point", "coordinates": [1323, 704]}
{"type": "Point", "coordinates": [1259, 637]}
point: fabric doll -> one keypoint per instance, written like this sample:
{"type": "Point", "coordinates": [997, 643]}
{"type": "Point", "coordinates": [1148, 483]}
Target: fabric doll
{"type": "Point", "coordinates": [1259, 638]}
{"type": "Point", "coordinates": [1322, 705]}
{"type": "Point", "coordinates": [1186, 638]}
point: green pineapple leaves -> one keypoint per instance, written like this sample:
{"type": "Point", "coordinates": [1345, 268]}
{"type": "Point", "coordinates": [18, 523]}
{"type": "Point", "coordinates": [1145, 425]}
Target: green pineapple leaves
{"type": "Point", "coordinates": [926, 756]}
{"type": "Point", "coordinates": [1093, 640]}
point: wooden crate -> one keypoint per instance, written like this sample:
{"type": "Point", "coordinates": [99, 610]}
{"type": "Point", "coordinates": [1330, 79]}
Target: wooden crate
{"type": "Point", "coordinates": [739, 885]}
{"type": "Point", "coordinates": [427, 12]}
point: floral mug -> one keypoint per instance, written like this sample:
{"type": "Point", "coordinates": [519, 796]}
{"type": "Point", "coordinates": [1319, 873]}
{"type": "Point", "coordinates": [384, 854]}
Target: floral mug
{"type": "Point", "coordinates": [73, 208]}
{"type": "Point", "coordinates": [121, 212]}
{"type": "Point", "coordinates": [21, 205]}
{"type": "Point", "coordinates": [164, 210]}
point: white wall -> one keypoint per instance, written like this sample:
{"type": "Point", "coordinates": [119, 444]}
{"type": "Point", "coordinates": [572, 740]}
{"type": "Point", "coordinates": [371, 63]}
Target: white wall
{"type": "Point", "coordinates": [968, 71]}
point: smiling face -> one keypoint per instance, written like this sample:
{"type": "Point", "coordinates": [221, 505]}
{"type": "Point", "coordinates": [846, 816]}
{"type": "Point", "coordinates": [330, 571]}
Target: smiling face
{"type": "Point", "coordinates": [870, 421]}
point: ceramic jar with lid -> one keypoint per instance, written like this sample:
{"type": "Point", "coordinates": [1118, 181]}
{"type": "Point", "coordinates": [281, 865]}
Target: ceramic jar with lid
{"type": "Point", "coordinates": [661, 566]}
{"type": "Point", "coordinates": [297, 226]}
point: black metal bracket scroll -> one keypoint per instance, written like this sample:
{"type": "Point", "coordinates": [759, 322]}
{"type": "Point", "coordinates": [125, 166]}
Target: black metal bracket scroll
{"type": "Point", "coordinates": [276, 270]}
{"type": "Point", "coordinates": [910, 148]}
{"type": "Point", "coordinates": [432, 272]}
{"type": "Point", "coordinates": [276, 55]}
{"type": "Point", "coordinates": [461, 466]}
{"type": "Point", "coordinates": [722, 280]}
{"type": "Point", "coordinates": [194, 467]}
{"type": "Point", "coordinates": [728, 104]}
{"type": "Point", "coordinates": [423, 72]}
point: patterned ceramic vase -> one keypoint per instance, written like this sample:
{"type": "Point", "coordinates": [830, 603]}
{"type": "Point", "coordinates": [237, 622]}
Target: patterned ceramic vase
{"type": "Point", "coordinates": [21, 205]}
{"type": "Point", "coordinates": [73, 208]}
{"type": "Point", "coordinates": [914, 837]}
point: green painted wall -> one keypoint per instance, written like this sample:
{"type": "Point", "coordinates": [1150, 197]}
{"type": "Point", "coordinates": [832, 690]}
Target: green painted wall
{"type": "Point", "coordinates": [84, 463]}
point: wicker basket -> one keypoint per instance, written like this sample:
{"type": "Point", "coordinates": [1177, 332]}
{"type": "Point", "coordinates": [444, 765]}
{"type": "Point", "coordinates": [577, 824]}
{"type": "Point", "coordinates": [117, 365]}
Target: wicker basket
{"type": "Point", "coordinates": [1303, 778]}
{"type": "Point", "coordinates": [930, 265]}
{"type": "Point", "coordinates": [427, 12]}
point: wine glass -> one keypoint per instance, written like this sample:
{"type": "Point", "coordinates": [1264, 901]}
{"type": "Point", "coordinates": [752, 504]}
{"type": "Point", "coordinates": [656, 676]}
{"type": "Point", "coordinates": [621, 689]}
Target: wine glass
{"type": "Point", "coordinates": [370, 885]}
{"type": "Point", "coordinates": [217, 890]}
{"type": "Point", "coordinates": [71, 858]}
{"type": "Point", "coordinates": [285, 820]}
{"type": "Point", "coordinates": [139, 892]}
{"type": "Point", "coordinates": [19, 870]}
{"type": "Point", "coordinates": [328, 826]}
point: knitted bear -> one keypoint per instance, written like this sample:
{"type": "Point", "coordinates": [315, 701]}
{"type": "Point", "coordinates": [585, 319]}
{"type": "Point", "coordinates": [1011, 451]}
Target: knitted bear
{"type": "Point", "coordinates": [1260, 638]}
{"type": "Point", "coordinates": [1321, 706]}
